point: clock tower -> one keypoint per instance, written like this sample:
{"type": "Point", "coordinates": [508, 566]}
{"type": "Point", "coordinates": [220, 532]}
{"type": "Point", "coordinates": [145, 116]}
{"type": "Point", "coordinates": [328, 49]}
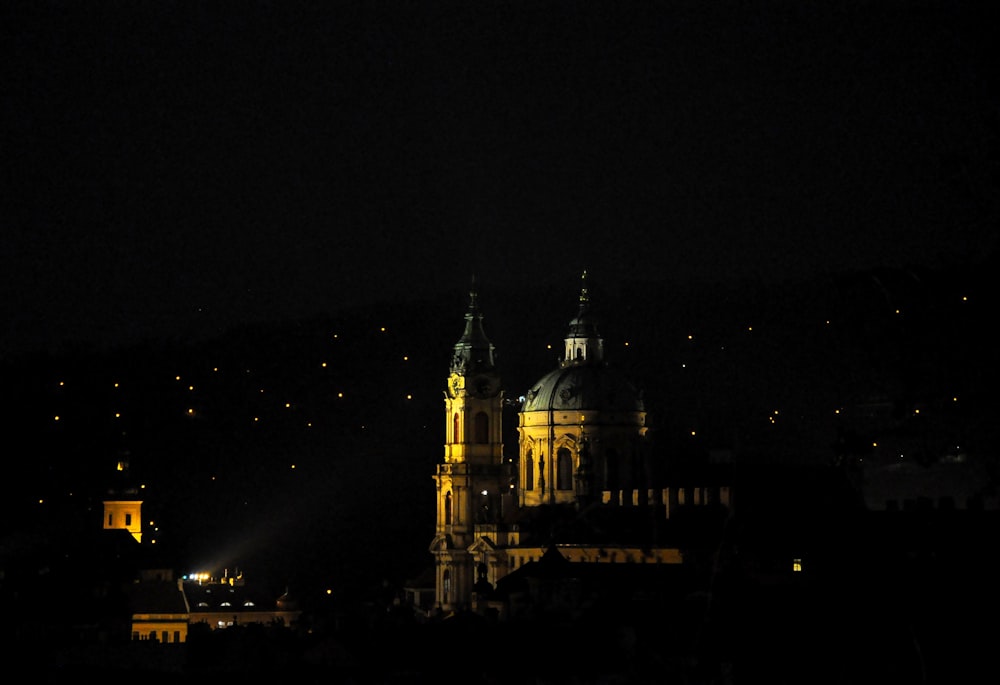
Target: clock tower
{"type": "Point", "coordinates": [473, 483]}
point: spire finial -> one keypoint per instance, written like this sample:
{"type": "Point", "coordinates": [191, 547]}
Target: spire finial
{"type": "Point", "coordinates": [584, 297]}
{"type": "Point", "coordinates": [473, 351]}
{"type": "Point", "coordinates": [472, 293]}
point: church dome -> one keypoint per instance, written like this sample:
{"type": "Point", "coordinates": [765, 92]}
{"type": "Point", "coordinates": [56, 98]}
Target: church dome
{"type": "Point", "coordinates": [584, 381]}
{"type": "Point", "coordinates": [581, 427]}
{"type": "Point", "coordinates": [584, 387]}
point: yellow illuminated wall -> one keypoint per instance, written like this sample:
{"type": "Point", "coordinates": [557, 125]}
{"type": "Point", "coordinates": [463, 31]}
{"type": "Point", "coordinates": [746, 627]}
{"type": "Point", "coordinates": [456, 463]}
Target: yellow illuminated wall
{"type": "Point", "coordinates": [124, 515]}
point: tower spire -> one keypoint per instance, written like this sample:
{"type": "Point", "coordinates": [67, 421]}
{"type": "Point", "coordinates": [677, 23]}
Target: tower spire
{"type": "Point", "coordinates": [584, 343]}
{"type": "Point", "coordinates": [473, 352]}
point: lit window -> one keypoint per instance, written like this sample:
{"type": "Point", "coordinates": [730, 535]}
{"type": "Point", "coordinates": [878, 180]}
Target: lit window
{"type": "Point", "coordinates": [796, 565]}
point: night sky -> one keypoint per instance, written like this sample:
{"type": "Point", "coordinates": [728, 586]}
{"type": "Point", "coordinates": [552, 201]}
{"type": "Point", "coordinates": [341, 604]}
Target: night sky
{"type": "Point", "coordinates": [174, 168]}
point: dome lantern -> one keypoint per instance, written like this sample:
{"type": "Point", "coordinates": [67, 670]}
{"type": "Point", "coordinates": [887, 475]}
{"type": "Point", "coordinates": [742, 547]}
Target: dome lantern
{"type": "Point", "coordinates": [584, 344]}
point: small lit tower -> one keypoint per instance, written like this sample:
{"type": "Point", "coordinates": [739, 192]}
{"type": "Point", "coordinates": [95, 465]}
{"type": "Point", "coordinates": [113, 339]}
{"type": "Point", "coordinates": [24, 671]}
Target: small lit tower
{"type": "Point", "coordinates": [471, 480]}
{"type": "Point", "coordinates": [122, 506]}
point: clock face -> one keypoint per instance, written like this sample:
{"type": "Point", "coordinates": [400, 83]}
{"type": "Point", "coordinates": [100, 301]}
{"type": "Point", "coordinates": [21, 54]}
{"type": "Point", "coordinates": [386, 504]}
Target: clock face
{"type": "Point", "coordinates": [480, 386]}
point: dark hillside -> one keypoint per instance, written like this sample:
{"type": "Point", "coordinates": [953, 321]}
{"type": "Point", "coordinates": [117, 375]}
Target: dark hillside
{"type": "Point", "coordinates": [288, 447]}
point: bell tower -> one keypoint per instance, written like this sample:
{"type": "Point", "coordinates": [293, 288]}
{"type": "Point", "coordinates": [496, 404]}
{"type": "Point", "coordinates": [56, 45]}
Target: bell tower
{"type": "Point", "coordinates": [471, 478]}
{"type": "Point", "coordinates": [122, 506]}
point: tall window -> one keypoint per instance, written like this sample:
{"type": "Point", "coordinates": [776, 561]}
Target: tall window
{"type": "Point", "coordinates": [482, 430]}
{"type": "Point", "coordinates": [445, 585]}
{"type": "Point", "coordinates": [564, 469]}
{"type": "Point", "coordinates": [447, 509]}
{"type": "Point", "coordinates": [529, 470]}
{"type": "Point", "coordinates": [454, 429]}
{"type": "Point", "coordinates": [611, 470]}
{"type": "Point", "coordinates": [128, 519]}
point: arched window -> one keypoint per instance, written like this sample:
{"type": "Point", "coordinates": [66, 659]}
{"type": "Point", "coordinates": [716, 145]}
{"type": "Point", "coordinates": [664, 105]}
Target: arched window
{"type": "Point", "coordinates": [454, 429]}
{"type": "Point", "coordinates": [564, 469]}
{"type": "Point", "coordinates": [482, 428]}
{"type": "Point", "coordinates": [445, 585]}
{"type": "Point", "coordinates": [447, 509]}
{"type": "Point", "coordinates": [529, 470]}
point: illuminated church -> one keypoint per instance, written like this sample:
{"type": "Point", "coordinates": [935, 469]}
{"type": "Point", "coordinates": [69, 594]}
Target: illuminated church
{"type": "Point", "coordinates": [585, 487]}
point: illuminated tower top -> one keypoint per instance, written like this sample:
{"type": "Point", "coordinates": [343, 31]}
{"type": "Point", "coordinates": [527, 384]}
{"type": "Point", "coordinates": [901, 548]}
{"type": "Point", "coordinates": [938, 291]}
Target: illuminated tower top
{"type": "Point", "coordinates": [584, 344]}
{"type": "Point", "coordinates": [474, 353]}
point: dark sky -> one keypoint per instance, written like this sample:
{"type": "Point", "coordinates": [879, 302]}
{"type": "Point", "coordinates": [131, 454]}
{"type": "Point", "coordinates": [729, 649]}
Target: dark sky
{"type": "Point", "coordinates": [173, 168]}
